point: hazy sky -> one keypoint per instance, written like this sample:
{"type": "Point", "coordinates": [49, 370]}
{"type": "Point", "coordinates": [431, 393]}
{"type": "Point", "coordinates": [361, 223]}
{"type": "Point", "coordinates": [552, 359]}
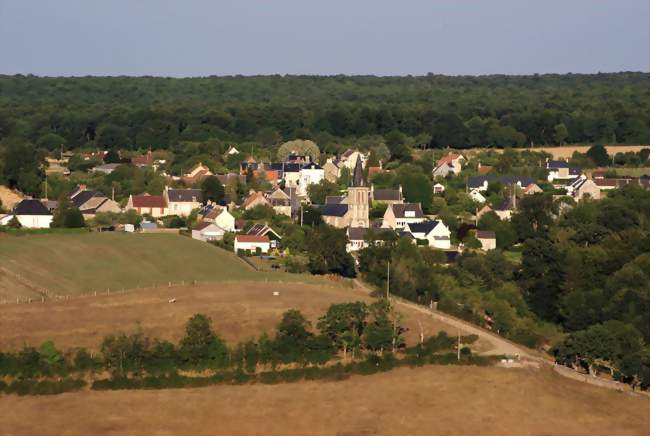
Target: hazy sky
{"type": "Point", "coordinates": [201, 37]}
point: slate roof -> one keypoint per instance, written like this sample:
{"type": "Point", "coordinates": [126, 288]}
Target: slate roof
{"type": "Point", "coordinates": [84, 196]}
{"type": "Point", "coordinates": [334, 199]}
{"type": "Point", "coordinates": [400, 210]}
{"type": "Point", "coordinates": [357, 233]}
{"type": "Point", "coordinates": [311, 166]}
{"type": "Point", "coordinates": [334, 209]}
{"type": "Point", "coordinates": [357, 177]}
{"type": "Point", "coordinates": [555, 164]}
{"type": "Point", "coordinates": [477, 181]}
{"type": "Point", "coordinates": [31, 207]}
{"type": "Point", "coordinates": [423, 227]}
{"type": "Point", "coordinates": [485, 234]}
{"type": "Point", "coordinates": [386, 195]}
{"type": "Point", "coordinates": [184, 195]}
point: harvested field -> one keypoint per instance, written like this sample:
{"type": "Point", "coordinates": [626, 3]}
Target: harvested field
{"type": "Point", "coordinates": [9, 198]}
{"type": "Point", "coordinates": [446, 400]}
{"type": "Point", "coordinates": [566, 151]}
{"type": "Point", "coordinates": [239, 311]}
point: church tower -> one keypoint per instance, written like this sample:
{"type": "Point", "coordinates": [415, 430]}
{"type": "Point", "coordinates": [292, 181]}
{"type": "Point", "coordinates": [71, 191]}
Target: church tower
{"type": "Point", "coordinates": [358, 199]}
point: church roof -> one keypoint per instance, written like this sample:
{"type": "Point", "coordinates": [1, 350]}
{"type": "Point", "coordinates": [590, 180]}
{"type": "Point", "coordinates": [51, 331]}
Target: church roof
{"type": "Point", "coordinates": [357, 179]}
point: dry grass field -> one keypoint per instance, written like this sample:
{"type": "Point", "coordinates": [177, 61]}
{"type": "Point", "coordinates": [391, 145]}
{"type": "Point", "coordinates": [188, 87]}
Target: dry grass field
{"type": "Point", "coordinates": [79, 263]}
{"type": "Point", "coordinates": [239, 311]}
{"type": "Point", "coordinates": [566, 151]}
{"type": "Point", "coordinates": [440, 400]}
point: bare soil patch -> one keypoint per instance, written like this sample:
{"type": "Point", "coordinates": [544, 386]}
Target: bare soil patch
{"type": "Point", "coordinates": [442, 400]}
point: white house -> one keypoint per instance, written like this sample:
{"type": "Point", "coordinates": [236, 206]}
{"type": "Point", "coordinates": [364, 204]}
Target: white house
{"type": "Point", "coordinates": [310, 173]}
{"type": "Point", "coordinates": [231, 150]}
{"type": "Point", "coordinates": [438, 188]}
{"type": "Point", "coordinates": [476, 195]}
{"type": "Point", "coordinates": [356, 239]}
{"type": "Point", "coordinates": [252, 243]}
{"type": "Point", "coordinates": [221, 217]}
{"type": "Point", "coordinates": [560, 170]}
{"type": "Point", "coordinates": [452, 164]}
{"type": "Point", "coordinates": [397, 216]}
{"type": "Point", "coordinates": [207, 231]}
{"type": "Point", "coordinates": [182, 201]}
{"type": "Point", "coordinates": [435, 232]}
{"type": "Point", "coordinates": [349, 158]}
{"type": "Point", "coordinates": [32, 214]}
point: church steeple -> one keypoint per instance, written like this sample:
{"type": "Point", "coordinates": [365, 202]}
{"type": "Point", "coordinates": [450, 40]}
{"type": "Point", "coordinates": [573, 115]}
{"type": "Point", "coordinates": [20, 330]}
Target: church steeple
{"type": "Point", "coordinates": [357, 178]}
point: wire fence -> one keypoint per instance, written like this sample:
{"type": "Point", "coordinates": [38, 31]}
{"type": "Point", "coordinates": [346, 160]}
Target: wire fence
{"type": "Point", "coordinates": [48, 296]}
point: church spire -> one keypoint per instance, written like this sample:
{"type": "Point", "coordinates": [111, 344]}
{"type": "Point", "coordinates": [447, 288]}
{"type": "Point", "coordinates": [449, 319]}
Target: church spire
{"type": "Point", "coordinates": [357, 178]}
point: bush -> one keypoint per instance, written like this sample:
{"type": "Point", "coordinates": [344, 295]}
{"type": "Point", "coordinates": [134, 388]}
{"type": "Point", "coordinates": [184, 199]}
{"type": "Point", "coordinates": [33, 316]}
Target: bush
{"type": "Point", "coordinates": [43, 387]}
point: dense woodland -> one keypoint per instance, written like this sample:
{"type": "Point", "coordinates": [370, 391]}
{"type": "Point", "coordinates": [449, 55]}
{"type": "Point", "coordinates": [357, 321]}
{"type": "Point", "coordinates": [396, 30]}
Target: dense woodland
{"type": "Point", "coordinates": [142, 112]}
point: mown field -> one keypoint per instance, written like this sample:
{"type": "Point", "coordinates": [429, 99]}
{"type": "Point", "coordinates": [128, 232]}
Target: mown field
{"type": "Point", "coordinates": [73, 264]}
{"type": "Point", "coordinates": [432, 400]}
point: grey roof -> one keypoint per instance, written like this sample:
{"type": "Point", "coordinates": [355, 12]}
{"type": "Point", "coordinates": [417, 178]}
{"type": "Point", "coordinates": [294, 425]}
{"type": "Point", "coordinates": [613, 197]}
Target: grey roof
{"type": "Point", "coordinates": [485, 234]}
{"type": "Point", "coordinates": [185, 195]}
{"type": "Point", "coordinates": [31, 207]}
{"type": "Point", "coordinates": [311, 166]}
{"type": "Point", "coordinates": [506, 204]}
{"type": "Point", "coordinates": [334, 209]}
{"type": "Point", "coordinates": [84, 196]}
{"type": "Point", "coordinates": [423, 227]}
{"type": "Point", "coordinates": [334, 199]}
{"type": "Point", "coordinates": [555, 164]}
{"type": "Point", "coordinates": [357, 177]}
{"type": "Point", "coordinates": [357, 233]}
{"type": "Point", "coordinates": [400, 210]}
{"type": "Point", "coordinates": [387, 195]}
{"type": "Point", "coordinates": [477, 181]}
{"type": "Point", "coordinates": [261, 230]}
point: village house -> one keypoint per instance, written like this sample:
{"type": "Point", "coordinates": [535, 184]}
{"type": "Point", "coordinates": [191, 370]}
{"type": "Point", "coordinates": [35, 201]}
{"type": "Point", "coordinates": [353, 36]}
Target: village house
{"type": "Point", "coordinates": [434, 232]}
{"type": "Point", "coordinates": [154, 205]}
{"type": "Point", "coordinates": [264, 230]}
{"type": "Point", "coordinates": [476, 195]}
{"type": "Point", "coordinates": [92, 202]}
{"type": "Point", "coordinates": [560, 170]}
{"type": "Point", "coordinates": [353, 210]}
{"type": "Point", "coordinates": [182, 202]}
{"type": "Point", "coordinates": [582, 188]}
{"type": "Point", "coordinates": [350, 157]}
{"type": "Point", "coordinates": [507, 207]}
{"type": "Point", "coordinates": [252, 243]}
{"type": "Point", "coordinates": [332, 170]}
{"type": "Point", "coordinates": [482, 182]}
{"type": "Point", "coordinates": [281, 202]}
{"type": "Point", "coordinates": [145, 160]}
{"type": "Point", "coordinates": [488, 239]}
{"type": "Point", "coordinates": [197, 174]}
{"type": "Point", "coordinates": [255, 199]}
{"type": "Point", "coordinates": [207, 231]}
{"type": "Point", "coordinates": [398, 216]}
{"type": "Point", "coordinates": [232, 150]}
{"type": "Point", "coordinates": [452, 164]}
{"type": "Point", "coordinates": [31, 214]}
{"type": "Point", "coordinates": [485, 209]}
{"type": "Point", "coordinates": [310, 173]}
{"type": "Point", "coordinates": [105, 168]}
{"type": "Point", "coordinates": [220, 216]}
{"type": "Point", "coordinates": [356, 239]}
{"type": "Point", "coordinates": [438, 188]}
{"type": "Point", "coordinates": [533, 188]}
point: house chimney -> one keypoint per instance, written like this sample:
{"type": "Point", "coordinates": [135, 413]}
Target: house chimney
{"type": "Point", "coordinates": [82, 187]}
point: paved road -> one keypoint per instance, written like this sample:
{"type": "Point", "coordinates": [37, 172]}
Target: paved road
{"type": "Point", "coordinates": [500, 345]}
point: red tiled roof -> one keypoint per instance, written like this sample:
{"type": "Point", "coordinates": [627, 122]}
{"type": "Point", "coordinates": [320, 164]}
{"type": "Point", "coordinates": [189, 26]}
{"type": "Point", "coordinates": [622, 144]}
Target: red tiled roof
{"type": "Point", "coordinates": [252, 238]}
{"type": "Point", "coordinates": [149, 201]}
{"type": "Point", "coordinates": [253, 197]}
{"type": "Point", "coordinates": [450, 157]}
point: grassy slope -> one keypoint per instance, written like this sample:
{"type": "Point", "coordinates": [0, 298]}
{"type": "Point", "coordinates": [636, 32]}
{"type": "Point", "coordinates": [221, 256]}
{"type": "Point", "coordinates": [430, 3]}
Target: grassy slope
{"type": "Point", "coordinates": [68, 264]}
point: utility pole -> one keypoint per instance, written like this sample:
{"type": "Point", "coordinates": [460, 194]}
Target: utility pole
{"type": "Point", "coordinates": [46, 185]}
{"type": "Point", "coordinates": [388, 283]}
{"type": "Point", "coordinates": [301, 215]}
{"type": "Point", "coordinates": [458, 346]}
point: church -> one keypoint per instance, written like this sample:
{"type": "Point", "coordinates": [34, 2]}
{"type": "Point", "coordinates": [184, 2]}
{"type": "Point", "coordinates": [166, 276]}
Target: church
{"type": "Point", "coordinates": [351, 210]}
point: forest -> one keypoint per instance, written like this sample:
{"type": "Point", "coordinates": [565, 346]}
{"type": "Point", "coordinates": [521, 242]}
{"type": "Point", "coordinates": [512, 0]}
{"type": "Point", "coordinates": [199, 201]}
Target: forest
{"type": "Point", "coordinates": [432, 110]}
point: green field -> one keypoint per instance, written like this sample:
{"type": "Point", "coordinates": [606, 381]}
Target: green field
{"type": "Point", "coordinates": [72, 264]}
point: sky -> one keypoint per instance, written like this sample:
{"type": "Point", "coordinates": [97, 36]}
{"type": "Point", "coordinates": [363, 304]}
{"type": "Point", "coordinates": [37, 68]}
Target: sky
{"type": "Point", "coordinates": [225, 37]}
